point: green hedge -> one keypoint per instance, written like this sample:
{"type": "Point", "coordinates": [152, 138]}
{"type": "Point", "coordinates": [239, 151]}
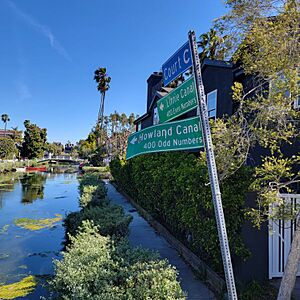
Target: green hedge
{"type": "Point", "coordinates": [99, 268]}
{"type": "Point", "coordinates": [174, 188]}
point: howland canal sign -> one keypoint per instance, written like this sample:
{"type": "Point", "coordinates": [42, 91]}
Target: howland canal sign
{"type": "Point", "coordinates": [180, 135]}
{"type": "Point", "coordinates": [178, 63]}
{"type": "Point", "coordinates": [178, 102]}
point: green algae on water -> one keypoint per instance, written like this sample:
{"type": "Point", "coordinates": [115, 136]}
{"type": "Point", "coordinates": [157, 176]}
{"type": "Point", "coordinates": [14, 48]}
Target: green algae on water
{"type": "Point", "coordinates": [18, 289]}
{"type": "Point", "coordinates": [4, 229]}
{"type": "Point", "coordinates": [37, 224]}
{"type": "Point", "coordinates": [24, 267]}
{"type": "Point", "coordinates": [3, 255]}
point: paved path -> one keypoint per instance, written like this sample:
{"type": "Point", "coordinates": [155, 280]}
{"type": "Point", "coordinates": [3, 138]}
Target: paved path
{"type": "Point", "coordinates": [142, 234]}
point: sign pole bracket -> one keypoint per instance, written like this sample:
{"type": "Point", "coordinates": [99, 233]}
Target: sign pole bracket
{"type": "Point", "coordinates": [212, 170]}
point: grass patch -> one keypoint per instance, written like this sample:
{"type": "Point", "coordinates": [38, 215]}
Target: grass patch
{"type": "Point", "coordinates": [18, 289]}
{"type": "Point", "coordinates": [37, 224]}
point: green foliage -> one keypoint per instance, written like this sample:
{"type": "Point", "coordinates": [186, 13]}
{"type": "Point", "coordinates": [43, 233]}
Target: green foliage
{"type": "Point", "coordinates": [97, 157]}
{"type": "Point", "coordinates": [212, 45]}
{"type": "Point", "coordinates": [268, 51]}
{"type": "Point", "coordinates": [256, 291]}
{"type": "Point", "coordinates": [88, 146]}
{"type": "Point", "coordinates": [55, 148]}
{"type": "Point", "coordinates": [34, 141]}
{"type": "Point", "coordinates": [109, 218]}
{"type": "Point", "coordinates": [173, 188]}
{"type": "Point", "coordinates": [11, 166]}
{"type": "Point", "coordinates": [97, 267]}
{"type": "Point", "coordinates": [7, 148]}
{"type": "Point", "coordinates": [88, 184]}
{"type": "Point", "coordinates": [100, 264]}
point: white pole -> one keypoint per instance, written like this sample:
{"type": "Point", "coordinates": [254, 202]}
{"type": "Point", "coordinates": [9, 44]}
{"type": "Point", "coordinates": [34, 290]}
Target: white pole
{"type": "Point", "coordinates": [212, 170]}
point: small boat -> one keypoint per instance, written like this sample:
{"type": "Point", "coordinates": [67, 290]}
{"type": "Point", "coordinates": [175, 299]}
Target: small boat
{"type": "Point", "coordinates": [21, 169]}
{"type": "Point", "coordinates": [32, 169]}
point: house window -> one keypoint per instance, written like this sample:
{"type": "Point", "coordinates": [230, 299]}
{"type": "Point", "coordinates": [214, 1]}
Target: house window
{"type": "Point", "coordinates": [139, 127]}
{"type": "Point", "coordinates": [155, 116]}
{"type": "Point", "coordinates": [211, 99]}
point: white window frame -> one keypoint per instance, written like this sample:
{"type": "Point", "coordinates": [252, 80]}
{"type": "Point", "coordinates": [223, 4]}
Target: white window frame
{"type": "Point", "coordinates": [139, 126]}
{"type": "Point", "coordinates": [216, 103]}
{"type": "Point", "coordinates": [155, 120]}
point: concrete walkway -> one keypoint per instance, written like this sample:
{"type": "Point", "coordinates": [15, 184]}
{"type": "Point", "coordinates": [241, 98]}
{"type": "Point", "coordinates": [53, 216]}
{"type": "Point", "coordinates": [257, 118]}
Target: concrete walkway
{"type": "Point", "coordinates": [142, 234]}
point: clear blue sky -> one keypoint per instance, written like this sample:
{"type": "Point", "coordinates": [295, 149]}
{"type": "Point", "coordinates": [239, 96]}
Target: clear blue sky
{"type": "Point", "coordinates": [51, 48]}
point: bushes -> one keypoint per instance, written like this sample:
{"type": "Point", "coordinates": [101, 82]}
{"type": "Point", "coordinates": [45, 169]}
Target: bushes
{"type": "Point", "coordinates": [97, 267]}
{"type": "Point", "coordinates": [98, 262]}
{"type": "Point", "coordinates": [174, 188]}
{"type": "Point", "coordinates": [110, 219]}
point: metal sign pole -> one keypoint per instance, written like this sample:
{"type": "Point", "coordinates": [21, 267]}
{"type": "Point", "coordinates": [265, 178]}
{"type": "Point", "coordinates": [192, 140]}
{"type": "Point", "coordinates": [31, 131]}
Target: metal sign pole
{"type": "Point", "coordinates": [212, 170]}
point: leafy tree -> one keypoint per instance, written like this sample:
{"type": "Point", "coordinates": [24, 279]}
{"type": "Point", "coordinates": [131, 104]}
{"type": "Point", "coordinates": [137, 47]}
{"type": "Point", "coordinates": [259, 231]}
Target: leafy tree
{"type": "Point", "coordinates": [103, 81]}
{"type": "Point", "coordinates": [264, 37]}
{"type": "Point", "coordinates": [34, 140]}
{"type": "Point", "coordinates": [55, 148]}
{"type": "Point", "coordinates": [213, 46]}
{"type": "Point", "coordinates": [5, 118]}
{"type": "Point", "coordinates": [87, 147]}
{"type": "Point", "coordinates": [7, 148]}
{"type": "Point", "coordinates": [17, 135]}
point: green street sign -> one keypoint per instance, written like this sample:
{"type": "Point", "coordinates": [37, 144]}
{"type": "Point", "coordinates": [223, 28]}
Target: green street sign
{"type": "Point", "coordinates": [178, 102]}
{"type": "Point", "coordinates": [173, 136]}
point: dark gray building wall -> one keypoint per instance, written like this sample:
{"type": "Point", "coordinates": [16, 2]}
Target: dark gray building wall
{"type": "Point", "coordinates": [154, 84]}
{"type": "Point", "coordinates": [256, 267]}
{"type": "Point", "coordinates": [220, 78]}
{"type": "Point", "coordinates": [147, 122]}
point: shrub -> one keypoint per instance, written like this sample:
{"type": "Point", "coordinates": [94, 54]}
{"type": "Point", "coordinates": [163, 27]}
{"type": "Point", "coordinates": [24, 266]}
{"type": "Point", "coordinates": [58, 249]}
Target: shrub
{"type": "Point", "coordinates": [173, 188]}
{"type": "Point", "coordinates": [92, 190]}
{"type": "Point", "coordinates": [88, 179]}
{"type": "Point", "coordinates": [97, 267]}
{"type": "Point", "coordinates": [110, 219]}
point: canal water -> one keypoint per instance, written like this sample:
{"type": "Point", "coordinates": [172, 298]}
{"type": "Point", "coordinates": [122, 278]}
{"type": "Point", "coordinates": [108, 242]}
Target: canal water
{"type": "Point", "coordinates": [32, 207]}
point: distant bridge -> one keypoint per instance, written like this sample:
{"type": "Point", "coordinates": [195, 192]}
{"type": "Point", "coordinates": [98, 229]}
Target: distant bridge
{"type": "Point", "coordinates": [61, 158]}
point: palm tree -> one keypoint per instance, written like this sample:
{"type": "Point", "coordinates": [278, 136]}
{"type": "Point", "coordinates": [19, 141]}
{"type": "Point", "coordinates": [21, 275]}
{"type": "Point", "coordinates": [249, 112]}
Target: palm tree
{"type": "Point", "coordinates": [103, 81]}
{"type": "Point", "coordinates": [5, 118]}
{"type": "Point", "coordinates": [213, 46]}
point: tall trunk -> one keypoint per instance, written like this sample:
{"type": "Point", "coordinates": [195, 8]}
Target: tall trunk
{"type": "Point", "coordinates": [102, 111]}
{"type": "Point", "coordinates": [5, 128]}
{"type": "Point", "coordinates": [289, 275]}
{"type": "Point", "coordinates": [100, 119]}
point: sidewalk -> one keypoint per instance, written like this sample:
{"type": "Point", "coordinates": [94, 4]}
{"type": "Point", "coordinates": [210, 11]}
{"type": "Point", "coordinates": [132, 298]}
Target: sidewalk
{"type": "Point", "coordinates": [142, 234]}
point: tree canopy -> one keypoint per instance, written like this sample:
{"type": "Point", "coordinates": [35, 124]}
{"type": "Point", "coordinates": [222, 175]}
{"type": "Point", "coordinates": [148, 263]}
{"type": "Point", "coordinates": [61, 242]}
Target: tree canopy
{"type": "Point", "coordinates": [35, 139]}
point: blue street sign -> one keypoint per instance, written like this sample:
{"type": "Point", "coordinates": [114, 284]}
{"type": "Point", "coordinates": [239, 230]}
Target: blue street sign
{"type": "Point", "coordinates": [178, 63]}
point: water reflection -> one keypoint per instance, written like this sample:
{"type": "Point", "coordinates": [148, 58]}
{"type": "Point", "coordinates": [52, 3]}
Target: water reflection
{"type": "Point", "coordinates": [25, 252]}
{"type": "Point", "coordinates": [32, 187]}
{"type": "Point", "coordinates": [7, 184]}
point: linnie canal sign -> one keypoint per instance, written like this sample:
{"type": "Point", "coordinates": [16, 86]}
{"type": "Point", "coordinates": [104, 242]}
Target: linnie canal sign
{"type": "Point", "coordinates": [178, 63]}
{"type": "Point", "coordinates": [179, 135]}
{"type": "Point", "coordinates": [178, 102]}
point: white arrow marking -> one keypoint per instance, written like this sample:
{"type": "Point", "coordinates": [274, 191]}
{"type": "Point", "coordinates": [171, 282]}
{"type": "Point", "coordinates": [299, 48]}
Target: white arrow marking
{"type": "Point", "coordinates": [133, 140]}
{"type": "Point", "coordinates": [161, 106]}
